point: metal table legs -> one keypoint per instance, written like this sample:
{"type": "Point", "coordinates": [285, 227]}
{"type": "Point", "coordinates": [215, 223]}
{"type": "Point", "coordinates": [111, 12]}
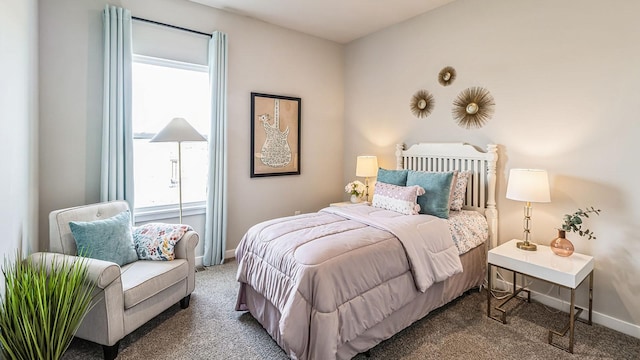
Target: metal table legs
{"type": "Point", "coordinates": [574, 312]}
{"type": "Point", "coordinates": [502, 317]}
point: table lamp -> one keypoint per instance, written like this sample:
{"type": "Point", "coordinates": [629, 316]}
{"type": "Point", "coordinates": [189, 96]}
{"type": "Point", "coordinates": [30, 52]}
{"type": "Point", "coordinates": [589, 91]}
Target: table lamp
{"type": "Point", "coordinates": [178, 130]}
{"type": "Point", "coordinates": [366, 166]}
{"type": "Point", "coordinates": [528, 185]}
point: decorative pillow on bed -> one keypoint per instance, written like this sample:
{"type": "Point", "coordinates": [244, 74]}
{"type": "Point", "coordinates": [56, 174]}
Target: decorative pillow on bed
{"type": "Point", "coordinates": [394, 177]}
{"type": "Point", "coordinates": [155, 241]}
{"type": "Point", "coordinates": [454, 180]}
{"type": "Point", "coordinates": [400, 199]}
{"type": "Point", "coordinates": [459, 190]}
{"type": "Point", "coordinates": [109, 239]}
{"type": "Point", "coordinates": [437, 186]}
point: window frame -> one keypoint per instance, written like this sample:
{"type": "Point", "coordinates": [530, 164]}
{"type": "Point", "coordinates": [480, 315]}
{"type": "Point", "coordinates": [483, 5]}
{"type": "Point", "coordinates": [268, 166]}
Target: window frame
{"type": "Point", "coordinates": [168, 211]}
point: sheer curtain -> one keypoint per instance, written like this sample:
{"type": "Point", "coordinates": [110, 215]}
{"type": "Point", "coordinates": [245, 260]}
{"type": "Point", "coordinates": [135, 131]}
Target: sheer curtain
{"type": "Point", "coordinates": [216, 216]}
{"type": "Point", "coordinates": [116, 181]}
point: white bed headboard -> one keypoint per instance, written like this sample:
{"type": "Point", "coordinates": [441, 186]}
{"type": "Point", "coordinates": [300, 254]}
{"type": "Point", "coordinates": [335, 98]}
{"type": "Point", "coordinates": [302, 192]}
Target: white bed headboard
{"type": "Point", "coordinates": [481, 189]}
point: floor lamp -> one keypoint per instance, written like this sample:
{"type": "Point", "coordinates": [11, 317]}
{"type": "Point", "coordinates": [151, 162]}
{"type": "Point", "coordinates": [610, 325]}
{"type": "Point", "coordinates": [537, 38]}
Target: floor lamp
{"type": "Point", "coordinates": [528, 185]}
{"type": "Point", "coordinates": [366, 167]}
{"type": "Point", "coordinates": [178, 130]}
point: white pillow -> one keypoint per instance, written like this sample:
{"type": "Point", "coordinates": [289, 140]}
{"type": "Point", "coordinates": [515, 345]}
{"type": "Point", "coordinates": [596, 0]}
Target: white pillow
{"type": "Point", "coordinates": [400, 199]}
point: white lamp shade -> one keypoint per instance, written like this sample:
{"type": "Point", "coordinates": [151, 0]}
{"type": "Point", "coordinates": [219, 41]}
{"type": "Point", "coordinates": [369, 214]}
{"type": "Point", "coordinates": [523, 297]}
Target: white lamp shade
{"type": "Point", "coordinates": [367, 166]}
{"type": "Point", "coordinates": [178, 130]}
{"type": "Point", "coordinates": [530, 185]}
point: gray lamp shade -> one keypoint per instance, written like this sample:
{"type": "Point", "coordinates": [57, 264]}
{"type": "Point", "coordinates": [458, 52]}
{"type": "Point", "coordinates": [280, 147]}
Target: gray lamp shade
{"type": "Point", "coordinates": [178, 130]}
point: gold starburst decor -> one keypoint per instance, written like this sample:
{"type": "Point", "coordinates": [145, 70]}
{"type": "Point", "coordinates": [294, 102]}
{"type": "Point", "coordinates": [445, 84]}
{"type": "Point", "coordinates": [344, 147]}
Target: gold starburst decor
{"type": "Point", "coordinates": [446, 76]}
{"type": "Point", "coordinates": [421, 103]}
{"type": "Point", "coordinates": [473, 107]}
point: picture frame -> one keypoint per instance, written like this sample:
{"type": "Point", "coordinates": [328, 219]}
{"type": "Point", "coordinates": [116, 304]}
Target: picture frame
{"type": "Point", "coordinates": [275, 135]}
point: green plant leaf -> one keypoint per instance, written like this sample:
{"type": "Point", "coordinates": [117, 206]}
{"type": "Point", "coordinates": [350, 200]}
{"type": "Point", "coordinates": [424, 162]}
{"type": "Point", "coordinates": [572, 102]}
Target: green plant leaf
{"type": "Point", "coordinates": [37, 317]}
{"type": "Point", "coordinates": [573, 222]}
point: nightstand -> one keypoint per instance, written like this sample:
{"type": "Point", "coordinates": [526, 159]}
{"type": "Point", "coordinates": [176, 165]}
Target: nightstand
{"type": "Point", "coordinates": [543, 264]}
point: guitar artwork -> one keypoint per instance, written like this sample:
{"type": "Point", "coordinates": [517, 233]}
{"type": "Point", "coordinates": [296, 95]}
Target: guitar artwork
{"type": "Point", "coordinates": [275, 151]}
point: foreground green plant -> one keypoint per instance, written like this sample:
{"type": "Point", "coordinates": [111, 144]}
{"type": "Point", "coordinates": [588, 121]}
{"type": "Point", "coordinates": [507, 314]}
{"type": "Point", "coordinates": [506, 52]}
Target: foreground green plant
{"type": "Point", "coordinates": [43, 306]}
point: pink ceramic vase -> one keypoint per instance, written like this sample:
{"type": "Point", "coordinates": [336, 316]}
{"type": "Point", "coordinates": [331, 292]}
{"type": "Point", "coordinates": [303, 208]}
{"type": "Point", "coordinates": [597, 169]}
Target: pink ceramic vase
{"type": "Point", "coordinates": [561, 246]}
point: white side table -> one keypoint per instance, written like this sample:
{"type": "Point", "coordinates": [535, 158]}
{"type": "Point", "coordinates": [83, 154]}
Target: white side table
{"type": "Point", "coordinates": [543, 264]}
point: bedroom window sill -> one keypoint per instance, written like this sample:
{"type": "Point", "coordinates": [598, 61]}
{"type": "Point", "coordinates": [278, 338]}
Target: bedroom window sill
{"type": "Point", "coordinates": [157, 213]}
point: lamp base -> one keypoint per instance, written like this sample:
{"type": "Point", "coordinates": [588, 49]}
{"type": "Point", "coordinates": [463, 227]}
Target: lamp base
{"type": "Point", "coordinates": [525, 245]}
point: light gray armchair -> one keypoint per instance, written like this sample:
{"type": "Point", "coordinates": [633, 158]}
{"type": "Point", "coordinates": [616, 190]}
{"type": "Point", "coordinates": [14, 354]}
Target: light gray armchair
{"type": "Point", "coordinates": [128, 296]}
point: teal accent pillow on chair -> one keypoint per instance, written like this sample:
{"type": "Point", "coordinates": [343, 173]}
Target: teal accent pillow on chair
{"type": "Point", "coordinates": [109, 239]}
{"type": "Point", "coordinates": [437, 186]}
{"type": "Point", "coordinates": [393, 177]}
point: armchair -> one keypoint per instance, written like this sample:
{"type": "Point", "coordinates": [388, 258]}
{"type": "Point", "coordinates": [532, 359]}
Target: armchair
{"type": "Point", "coordinates": [125, 297]}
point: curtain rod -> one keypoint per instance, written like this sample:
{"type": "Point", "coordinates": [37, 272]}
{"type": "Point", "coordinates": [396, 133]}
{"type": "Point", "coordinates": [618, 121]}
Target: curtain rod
{"type": "Point", "coordinates": [169, 25]}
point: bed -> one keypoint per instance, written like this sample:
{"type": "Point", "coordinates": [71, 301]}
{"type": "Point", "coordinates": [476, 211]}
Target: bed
{"type": "Point", "coordinates": [335, 283]}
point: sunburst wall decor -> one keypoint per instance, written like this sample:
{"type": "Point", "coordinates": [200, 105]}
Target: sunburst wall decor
{"type": "Point", "coordinates": [473, 107]}
{"type": "Point", "coordinates": [421, 103]}
{"type": "Point", "coordinates": [446, 76]}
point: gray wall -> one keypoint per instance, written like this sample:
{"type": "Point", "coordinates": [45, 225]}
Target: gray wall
{"type": "Point", "coordinates": [565, 78]}
{"type": "Point", "coordinates": [262, 58]}
{"type": "Point", "coordinates": [18, 127]}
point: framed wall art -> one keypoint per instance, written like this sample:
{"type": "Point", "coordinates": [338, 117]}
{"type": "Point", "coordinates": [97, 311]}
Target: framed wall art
{"type": "Point", "coordinates": [275, 135]}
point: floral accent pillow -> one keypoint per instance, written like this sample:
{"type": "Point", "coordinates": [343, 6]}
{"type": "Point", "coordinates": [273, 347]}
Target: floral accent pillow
{"type": "Point", "coordinates": [400, 199]}
{"type": "Point", "coordinates": [155, 241]}
{"type": "Point", "coordinates": [459, 190]}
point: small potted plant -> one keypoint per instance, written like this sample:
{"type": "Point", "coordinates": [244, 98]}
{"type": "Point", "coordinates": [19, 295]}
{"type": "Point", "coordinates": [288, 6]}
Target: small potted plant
{"type": "Point", "coordinates": [572, 223]}
{"type": "Point", "coordinates": [356, 190]}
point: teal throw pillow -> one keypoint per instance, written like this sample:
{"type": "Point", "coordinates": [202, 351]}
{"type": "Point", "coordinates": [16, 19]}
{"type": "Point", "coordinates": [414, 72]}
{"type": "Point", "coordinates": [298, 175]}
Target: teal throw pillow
{"type": "Point", "coordinates": [437, 186]}
{"type": "Point", "coordinates": [393, 177]}
{"type": "Point", "coordinates": [109, 239]}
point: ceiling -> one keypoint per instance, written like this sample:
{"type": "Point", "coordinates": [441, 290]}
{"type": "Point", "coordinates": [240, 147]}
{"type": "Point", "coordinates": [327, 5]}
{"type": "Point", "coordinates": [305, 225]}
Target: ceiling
{"type": "Point", "coordinates": [337, 20]}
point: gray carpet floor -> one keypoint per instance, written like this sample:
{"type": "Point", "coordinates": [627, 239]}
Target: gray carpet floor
{"type": "Point", "coordinates": [211, 329]}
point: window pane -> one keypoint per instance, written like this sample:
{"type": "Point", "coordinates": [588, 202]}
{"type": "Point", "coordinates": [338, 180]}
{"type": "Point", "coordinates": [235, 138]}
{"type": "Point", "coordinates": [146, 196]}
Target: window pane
{"type": "Point", "coordinates": [161, 93]}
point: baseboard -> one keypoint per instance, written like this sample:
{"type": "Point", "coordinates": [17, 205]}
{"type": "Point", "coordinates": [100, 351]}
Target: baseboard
{"type": "Point", "coordinates": [598, 318]}
{"type": "Point", "coordinates": [228, 255]}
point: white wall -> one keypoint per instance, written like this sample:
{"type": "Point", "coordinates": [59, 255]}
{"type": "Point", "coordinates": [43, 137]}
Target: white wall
{"type": "Point", "coordinates": [566, 81]}
{"type": "Point", "coordinates": [564, 76]}
{"type": "Point", "coordinates": [18, 127]}
{"type": "Point", "coordinates": [262, 58]}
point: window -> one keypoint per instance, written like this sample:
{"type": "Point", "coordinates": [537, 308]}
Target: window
{"type": "Point", "coordinates": [162, 90]}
